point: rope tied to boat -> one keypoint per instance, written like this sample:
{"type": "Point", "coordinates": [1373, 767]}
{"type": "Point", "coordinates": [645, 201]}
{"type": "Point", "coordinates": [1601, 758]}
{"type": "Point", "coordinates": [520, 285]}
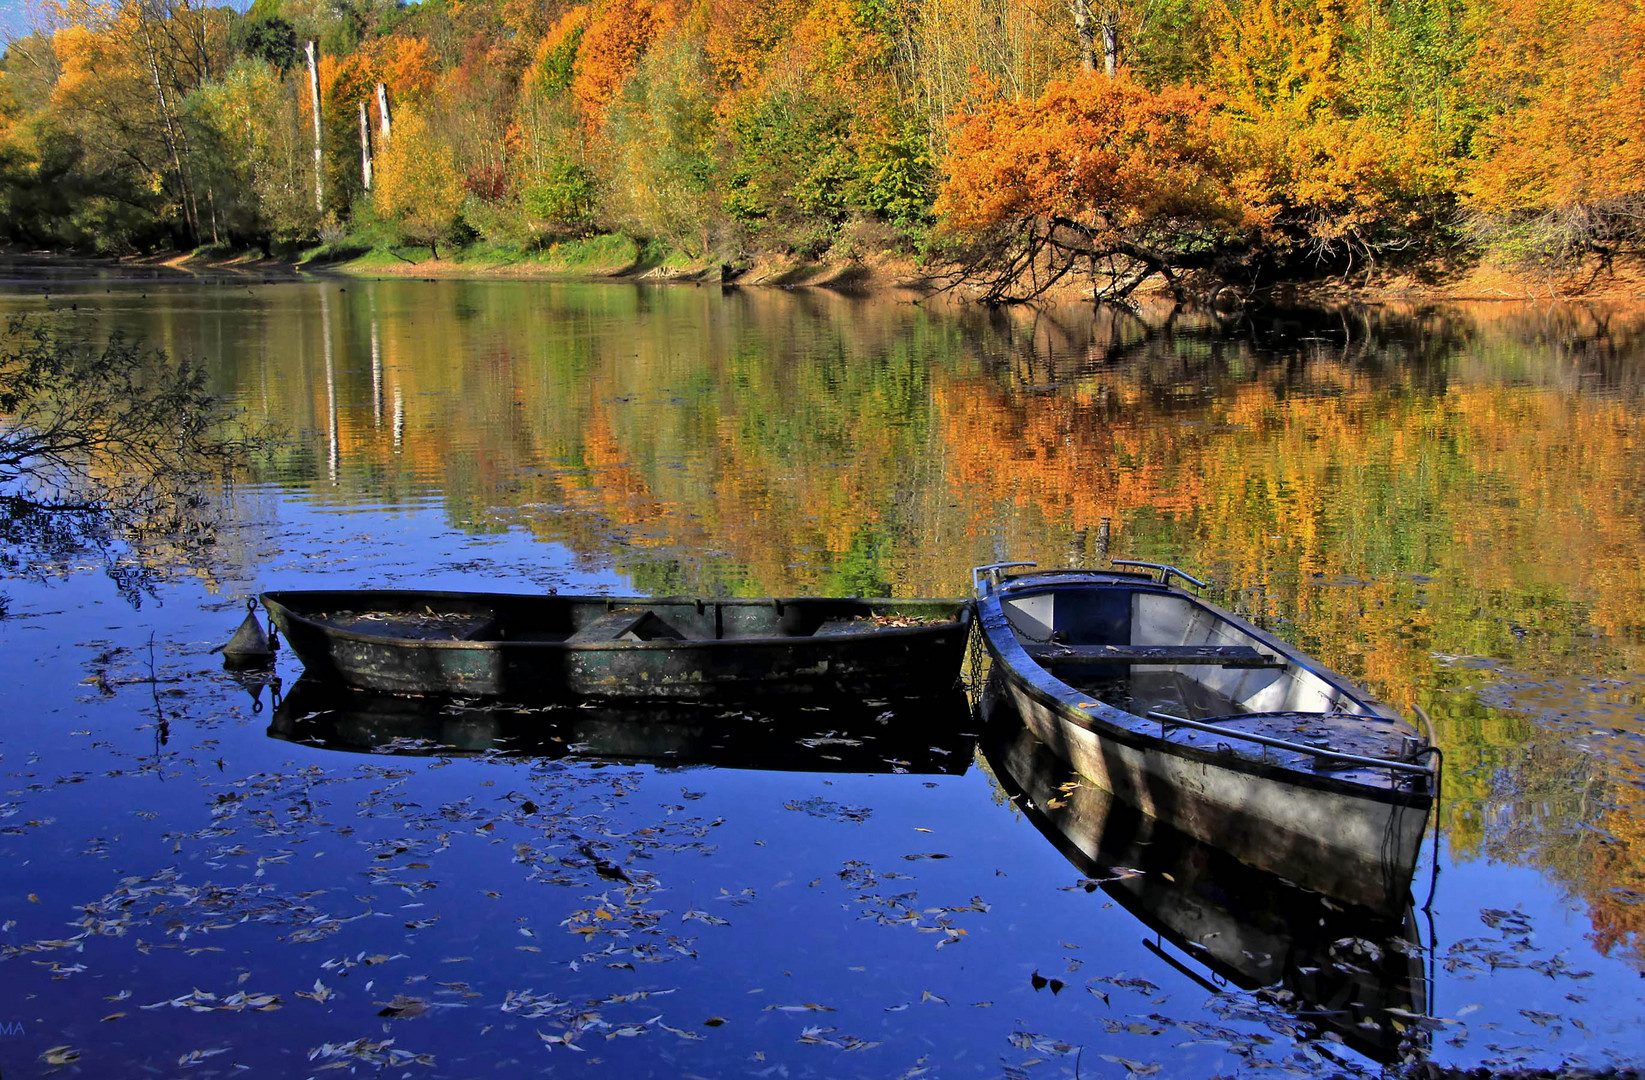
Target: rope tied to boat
{"type": "Point", "coordinates": [1433, 750]}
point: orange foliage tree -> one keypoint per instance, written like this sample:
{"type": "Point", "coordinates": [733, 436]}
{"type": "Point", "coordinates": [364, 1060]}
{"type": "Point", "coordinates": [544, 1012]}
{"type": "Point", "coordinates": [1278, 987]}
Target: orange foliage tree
{"type": "Point", "coordinates": [618, 34]}
{"type": "Point", "coordinates": [406, 65]}
{"type": "Point", "coordinates": [1096, 173]}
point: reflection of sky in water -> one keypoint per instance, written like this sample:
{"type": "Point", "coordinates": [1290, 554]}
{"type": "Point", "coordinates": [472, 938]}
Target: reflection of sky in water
{"type": "Point", "coordinates": [829, 959]}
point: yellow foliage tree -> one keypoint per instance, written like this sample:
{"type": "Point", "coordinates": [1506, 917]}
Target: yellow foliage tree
{"type": "Point", "coordinates": [1316, 173]}
{"type": "Point", "coordinates": [417, 184]}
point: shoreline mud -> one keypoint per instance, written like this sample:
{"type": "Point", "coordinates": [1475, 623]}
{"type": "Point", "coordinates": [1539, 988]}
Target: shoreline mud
{"type": "Point", "coordinates": [1618, 281]}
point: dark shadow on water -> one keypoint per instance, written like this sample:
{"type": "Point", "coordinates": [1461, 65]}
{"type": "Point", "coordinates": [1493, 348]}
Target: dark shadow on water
{"type": "Point", "coordinates": [1338, 969]}
{"type": "Point", "coordinates": [857, 737]}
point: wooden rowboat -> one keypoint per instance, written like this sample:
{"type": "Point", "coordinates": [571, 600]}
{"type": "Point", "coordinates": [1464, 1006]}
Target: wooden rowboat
{"type": "Point", "coordinates": [525, 647]}
{"type": "Point", "coordinates": [1200, 719]}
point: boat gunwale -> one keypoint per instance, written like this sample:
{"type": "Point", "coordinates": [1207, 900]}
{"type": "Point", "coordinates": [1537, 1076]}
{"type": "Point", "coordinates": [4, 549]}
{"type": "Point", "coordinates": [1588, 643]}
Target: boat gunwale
{"type": "Point", "coordinates": [961, 620]}
{"type": "Point", "coordinates": [1065, 701]}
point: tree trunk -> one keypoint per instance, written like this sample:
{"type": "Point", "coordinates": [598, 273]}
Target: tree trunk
{"type": "Point", "coordinates": [1110, 42]}
{"type": "Point", "coordinates": [185, 196]}
{"type": "Point", "coordinates": [1086, 33]}
{"type": "Point", "coordinates": [382, 111]}
{"type": "Point", "coordinates": [314, 96]}
{"type": "Point", "coordinates": [365, 147]}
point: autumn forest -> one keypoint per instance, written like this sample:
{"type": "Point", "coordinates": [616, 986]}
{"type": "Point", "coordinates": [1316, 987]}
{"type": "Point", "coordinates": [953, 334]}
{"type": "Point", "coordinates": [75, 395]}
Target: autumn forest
{"type": "Point", "coordinates": [1007, 144]}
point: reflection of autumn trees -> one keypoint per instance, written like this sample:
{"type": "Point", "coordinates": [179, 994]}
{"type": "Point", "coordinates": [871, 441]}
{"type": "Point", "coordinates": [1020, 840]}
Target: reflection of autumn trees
{"type": "Point", "coordinates": [1612, 877]}
{"type": "Point", "coordinates": [1579, 817]}
{"type": "Point", "coordinates": [588, 420]}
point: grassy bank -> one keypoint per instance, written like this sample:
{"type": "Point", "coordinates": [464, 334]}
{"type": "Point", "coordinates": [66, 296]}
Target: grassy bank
{"type": "Point", "coordinates": [608, 256]}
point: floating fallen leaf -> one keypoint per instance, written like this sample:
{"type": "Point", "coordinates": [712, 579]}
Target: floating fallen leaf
{"type": "Point", "coordinates": [403, 1007]}
{"type": "Point", "coordinates": [705, 917]}
{"type": "Point", "coordinates": [681, 1032]}
{"type": "Point", "coordinates": [808, 1006]}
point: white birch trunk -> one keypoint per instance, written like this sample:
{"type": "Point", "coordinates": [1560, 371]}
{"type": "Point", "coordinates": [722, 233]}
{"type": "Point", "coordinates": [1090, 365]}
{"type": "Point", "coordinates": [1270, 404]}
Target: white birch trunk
{"type": "Point", "coordinates": [314, 96]}
{"type": "Point", "coordinates": [365, 147]}
{"type": "Point", "coordinates": [1084, 31]}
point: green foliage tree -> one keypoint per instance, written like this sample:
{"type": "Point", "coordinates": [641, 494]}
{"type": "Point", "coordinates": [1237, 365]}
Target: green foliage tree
{"type": "Point", "coordinates": [790, 165]}
{"type": "Point", "coordinates": [252, 139]}
{"type": "Point", "coordinates": [562, 194]}
{"type": "Point", "coordinates": [657, 151]}
{"type": "Point", "coordinates": [272, 40]}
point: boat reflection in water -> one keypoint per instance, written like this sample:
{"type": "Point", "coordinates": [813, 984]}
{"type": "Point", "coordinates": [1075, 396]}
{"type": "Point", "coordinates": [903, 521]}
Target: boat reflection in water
{"type": "Point", "coordinates": [862, 737]}
{"type": "Point", "coordinates": [1345, 971]}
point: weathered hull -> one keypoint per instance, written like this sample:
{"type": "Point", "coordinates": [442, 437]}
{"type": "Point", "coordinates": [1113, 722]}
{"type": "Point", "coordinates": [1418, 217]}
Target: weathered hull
{"type": "Point", "coordinates": [1356, 846]}
{"type": "Point", "coordinates": [1345, 833]}
{"type": "Point", "coordinates": [522, 653]}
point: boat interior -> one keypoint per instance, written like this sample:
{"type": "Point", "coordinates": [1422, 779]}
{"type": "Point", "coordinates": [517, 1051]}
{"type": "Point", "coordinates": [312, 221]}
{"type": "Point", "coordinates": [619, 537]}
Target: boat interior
{"type": "Point", "coordinates": [591, 620]}
{"type": "Point", "coordinates": [1146, 651]}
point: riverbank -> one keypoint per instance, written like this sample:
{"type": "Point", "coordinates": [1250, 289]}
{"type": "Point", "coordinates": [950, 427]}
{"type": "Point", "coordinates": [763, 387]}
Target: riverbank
{"type": "Point", "coordinates": [617, 258]}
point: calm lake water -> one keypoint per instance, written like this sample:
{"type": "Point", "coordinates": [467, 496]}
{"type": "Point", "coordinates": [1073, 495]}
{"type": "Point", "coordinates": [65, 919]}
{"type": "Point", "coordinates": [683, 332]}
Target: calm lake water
{"type": "Point", "coordinates": [1446, 503]}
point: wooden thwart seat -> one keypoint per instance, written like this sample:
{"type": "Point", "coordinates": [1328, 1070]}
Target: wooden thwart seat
{"type": "Point", "coordinates": [1240, 656]}
{"type": "Point", "coordinates": [625, 625]}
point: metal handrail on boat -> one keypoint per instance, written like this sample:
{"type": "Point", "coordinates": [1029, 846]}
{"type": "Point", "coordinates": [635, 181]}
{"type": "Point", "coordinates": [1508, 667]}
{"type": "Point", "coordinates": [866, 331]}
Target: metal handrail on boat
{"type": "Point", "coordinates": [993, 571]}
{"type": "Point", "coordinates": [1299, 748]}
{"type": "Point", "coordinates": [1165, 572]}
